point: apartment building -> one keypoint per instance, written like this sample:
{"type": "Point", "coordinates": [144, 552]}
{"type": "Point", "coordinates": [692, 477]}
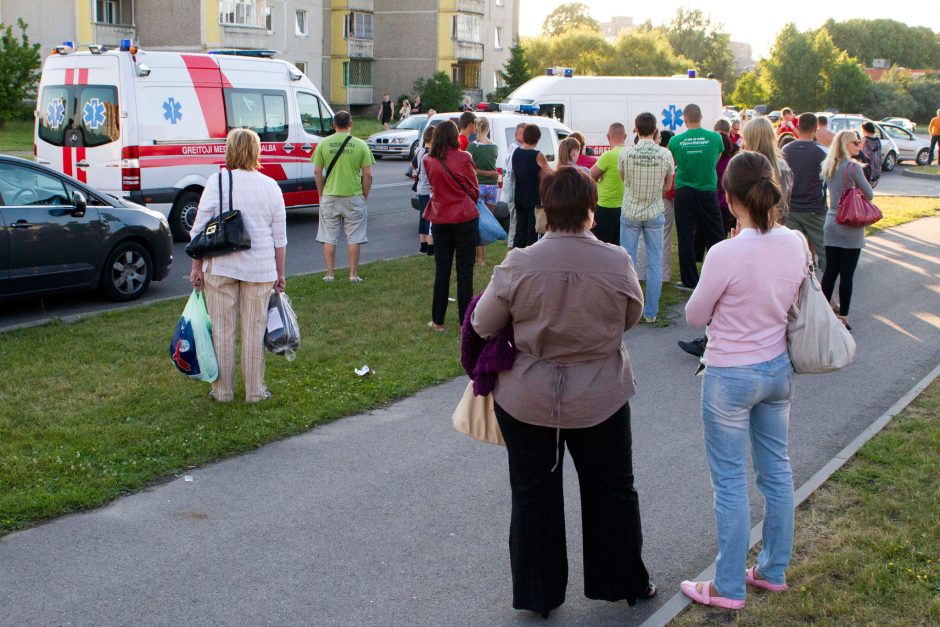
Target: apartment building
{"type": "Point", "coordinates": [355, 50]}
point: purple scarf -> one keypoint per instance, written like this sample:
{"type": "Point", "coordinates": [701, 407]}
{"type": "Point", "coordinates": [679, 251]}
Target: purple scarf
{"type": "Point", "coordinates": [484, 359]}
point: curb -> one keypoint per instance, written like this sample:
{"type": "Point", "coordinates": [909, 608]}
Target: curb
{"type": "Point", "coordinates": [920, 175]}
{"type": "Point", "coordinates": [679, 601]}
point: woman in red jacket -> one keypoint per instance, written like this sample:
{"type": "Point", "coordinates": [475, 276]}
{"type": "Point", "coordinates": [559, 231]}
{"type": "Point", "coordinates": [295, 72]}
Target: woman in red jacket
{"type": "Point", "coordinates": [453, 215]}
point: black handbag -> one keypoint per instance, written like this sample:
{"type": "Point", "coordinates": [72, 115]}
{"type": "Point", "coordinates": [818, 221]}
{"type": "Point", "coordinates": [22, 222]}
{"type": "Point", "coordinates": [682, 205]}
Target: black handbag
{"type": "Point", "coordinates": [224, 234]}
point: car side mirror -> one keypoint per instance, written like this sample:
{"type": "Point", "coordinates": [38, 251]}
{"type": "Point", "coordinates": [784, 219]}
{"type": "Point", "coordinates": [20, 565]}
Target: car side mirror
{"type": "Point", "coordinates": [79, 204]}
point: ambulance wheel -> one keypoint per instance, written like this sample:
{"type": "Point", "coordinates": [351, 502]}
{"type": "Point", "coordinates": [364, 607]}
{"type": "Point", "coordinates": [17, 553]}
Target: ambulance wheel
{"type": "Point", "coordinates": [127, 273]}
{"type": "Point", "coordinates": [183, 215]}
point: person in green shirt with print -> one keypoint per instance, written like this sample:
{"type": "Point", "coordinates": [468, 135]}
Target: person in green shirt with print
{"type": "Point", "coordinates": [696, 152]}
{"type": "Point", "coordinates": [609, 187]}
{"type": "Point", "coordinates": [344, 182]}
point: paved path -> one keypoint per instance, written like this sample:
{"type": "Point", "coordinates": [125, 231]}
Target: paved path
{"type": "Point", "coordinates": [393, 518]}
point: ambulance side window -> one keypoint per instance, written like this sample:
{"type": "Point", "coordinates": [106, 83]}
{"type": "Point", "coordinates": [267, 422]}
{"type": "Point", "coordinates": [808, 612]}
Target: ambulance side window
{"type": "Point", "coordinates": [314, 116]}
{"type": "Point", "coordinates": [264, 112]}
{"type": "Point", "coordinates": [555, 111]}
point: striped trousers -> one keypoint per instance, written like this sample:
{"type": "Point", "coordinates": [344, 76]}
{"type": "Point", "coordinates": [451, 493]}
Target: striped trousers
{"type": "Point", "coordinates": [228, 301]}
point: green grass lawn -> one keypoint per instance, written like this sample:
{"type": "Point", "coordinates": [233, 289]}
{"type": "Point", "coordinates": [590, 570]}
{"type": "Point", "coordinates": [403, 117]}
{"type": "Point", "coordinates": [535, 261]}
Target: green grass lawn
{"type": "Point", "coordinates": [363, 126]}
{"type": "Point", "coordinates": [899, 209]}
{"type": "Point", "coordinates": [867, 548]}
{"type": "Point", "coordinates": [926, 169]}
{"type": "Point", "coordinates": [16, 135]}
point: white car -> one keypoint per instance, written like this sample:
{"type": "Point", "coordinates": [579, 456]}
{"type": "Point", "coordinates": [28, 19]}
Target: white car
{"type": "Point", "coordinates": [904, 123]}
{"type": "Point", "coordinates": [889, 148]}
{"type": "Point", "coordinates": [401, 140]}
{"type": "Point", "coordinates": [910, 146]}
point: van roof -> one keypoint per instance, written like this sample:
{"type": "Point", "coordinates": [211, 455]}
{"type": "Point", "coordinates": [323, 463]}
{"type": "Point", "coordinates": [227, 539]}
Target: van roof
{"type": "Point", "coordinates": [542, 86]}
{"type": "Point", "coordinates": [162, 58]}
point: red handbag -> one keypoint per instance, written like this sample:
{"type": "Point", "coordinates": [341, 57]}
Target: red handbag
{"type": "Point", "coordinates": [854, 208]}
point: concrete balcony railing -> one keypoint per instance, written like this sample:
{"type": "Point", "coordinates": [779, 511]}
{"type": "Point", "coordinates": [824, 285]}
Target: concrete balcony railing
{"type": "Point", "coordinates": [361, 5]}
{"type": "Point", "coordinates": [359, 95]}
{"type": "Point", "coordinates": [471, 6]}
{"type": "Point", "coordinates": [468, 51]}
{"type": "Point", "coordinates": [360, 48]}
{"type": "Point", "coordinates": [112, 34]}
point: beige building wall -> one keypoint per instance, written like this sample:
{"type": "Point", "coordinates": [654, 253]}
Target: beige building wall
{"type": "Point", "coordinates": [405, 45]}
{"type": "Point", "coordinates": [505, 17]}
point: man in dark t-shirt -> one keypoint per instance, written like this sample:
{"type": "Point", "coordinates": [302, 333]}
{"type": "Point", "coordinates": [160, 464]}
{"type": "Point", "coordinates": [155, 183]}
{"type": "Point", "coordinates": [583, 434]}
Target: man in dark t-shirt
{"type": "Point", "coordinates": [385, 111]}
{"type": "Point", "coordinates": [808, 196]}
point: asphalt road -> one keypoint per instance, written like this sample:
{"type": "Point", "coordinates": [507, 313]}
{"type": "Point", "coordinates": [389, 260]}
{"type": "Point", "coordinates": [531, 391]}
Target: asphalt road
{"type": "Point", "coordinates": [394, 518]}
{"type": "Point", "coordinates": [392, 230]}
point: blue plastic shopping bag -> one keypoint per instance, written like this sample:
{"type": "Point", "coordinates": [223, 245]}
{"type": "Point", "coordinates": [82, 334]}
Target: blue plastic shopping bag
{"type": "Point", "coordinates": [489, 227]}
{"type": "Point", "coordinates": [191, 349]}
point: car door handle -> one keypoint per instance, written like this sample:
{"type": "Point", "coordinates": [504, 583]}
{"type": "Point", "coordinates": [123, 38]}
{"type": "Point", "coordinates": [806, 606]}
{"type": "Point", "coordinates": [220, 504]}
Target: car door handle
{"type": "Point", "coordinates": [288, 148]}
{"type": "Point", "coordinates": [21, 224]}
{"type": "Point", "coordinates": [82, 164]}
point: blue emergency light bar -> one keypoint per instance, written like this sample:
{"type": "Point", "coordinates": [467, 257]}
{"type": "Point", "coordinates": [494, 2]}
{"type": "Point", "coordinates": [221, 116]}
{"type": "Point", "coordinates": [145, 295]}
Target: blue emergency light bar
{"type": "Point", "coordinates": [567, 72]}
{"type": "Point", "coordinates": [691, 73]}
{"type": "Point", "coordinates": [492, 107]}
{"type": "Point", "coordinates": [126, 45]}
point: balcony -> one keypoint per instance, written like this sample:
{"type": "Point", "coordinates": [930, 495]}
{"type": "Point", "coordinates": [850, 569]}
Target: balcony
{"type": "Point", "coordinates": [470, 6]}
{"type": "Point", "coordinates": [359, 48]}
{"type": "Point", "coordinates": [359, 95]}
{"type": "Point", "coordinates": [468, 51]}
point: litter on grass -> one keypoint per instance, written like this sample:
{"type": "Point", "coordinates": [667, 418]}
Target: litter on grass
{"type": "Point", "coordinates": [365, 370]}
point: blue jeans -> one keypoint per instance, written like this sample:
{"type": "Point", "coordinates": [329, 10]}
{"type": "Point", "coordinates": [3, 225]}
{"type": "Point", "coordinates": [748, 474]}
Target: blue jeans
{"type": "Point", "coordinates": [739, 402]}
{"type": "Point", "coordinates": [652, 231]}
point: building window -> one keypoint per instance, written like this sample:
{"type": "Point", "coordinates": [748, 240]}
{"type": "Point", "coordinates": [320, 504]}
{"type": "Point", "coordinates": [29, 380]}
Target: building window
{"type": "Point", "coordinates": [357, 73]}
{"type": "Point", "coordinates": [498, 42]}
{"type": "Point", "coordinates": [302, 66]}
{"type": "Point", "coordinates": [116, 12]}
{"type": "Point", "coordinates": [244, 13]}
{"type": "Point", "coordinates": [466, 28]}
{"type": "Point", "coordinates": [268, 19]}
{"type": "Point", "coordinates": [496, 79]}
{"type": "Point", "coordinates": [358, 26]}
{"type": "Point", "coordinates": [499, 3]}
{"type": "Point", "coordinates": [301, 29]}
{"type": "Point", "coordinates": [467, 76]}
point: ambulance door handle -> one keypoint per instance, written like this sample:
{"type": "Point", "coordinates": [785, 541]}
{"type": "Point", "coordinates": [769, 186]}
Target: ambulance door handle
{"type": "Point", "coordinates": [306, 147]}
{"type": "Point", "coordinates": [82, 164]}
{"type": "Point", "coordinates": [288, 148]}
{"type": "Point", "coordinates": [42, 161]}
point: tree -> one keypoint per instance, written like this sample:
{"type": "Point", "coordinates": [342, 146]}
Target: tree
{"type": "Point", "coordinates": [569, 16]}
{"type": "Point", "coordinates": [439, 92]}
{"type": "Point", "coordinates": [645, 54]}
{"type": "Point", "coordinates": [790, 74]}
{"type": "Point", "coordinates": [583, 49]}
{"type": "Point", "coordinates": [515, 72]}
{"type": "Point", "coordinates": [692, 34]}
{"type": "Point", "coordinates": [19, 65]}
{"type": "Point", "coordinates": [848, 84]}
{"type": "Point", "coordinates": [749, 91]}
{"type": "Point", "coordinates": [867, 40]}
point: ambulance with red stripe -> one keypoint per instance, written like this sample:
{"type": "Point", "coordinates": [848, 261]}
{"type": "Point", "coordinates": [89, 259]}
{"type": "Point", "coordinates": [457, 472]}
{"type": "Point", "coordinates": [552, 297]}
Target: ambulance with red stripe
{"type": "Point", "coordinates": [151, 126]}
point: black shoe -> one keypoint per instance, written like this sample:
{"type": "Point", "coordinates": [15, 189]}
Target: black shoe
{"type": "Point", "coordinates": [431, 250]}
{"type": "Point", "coordinates": [696, 347]}
{"type": "Point", "coordinates": [424, 248]}
{"type": "Point", "coordinates": [682, 287]}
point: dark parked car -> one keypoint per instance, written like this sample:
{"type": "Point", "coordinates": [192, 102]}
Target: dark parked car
{"type": "Point", "coordinates": [57, 234]}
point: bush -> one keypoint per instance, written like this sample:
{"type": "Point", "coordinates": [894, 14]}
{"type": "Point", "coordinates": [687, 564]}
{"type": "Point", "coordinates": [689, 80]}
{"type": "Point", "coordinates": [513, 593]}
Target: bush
{"type": "Point", "coordinates": [439, 93]}
{"type": "Point", "coordinates": [19, 72]}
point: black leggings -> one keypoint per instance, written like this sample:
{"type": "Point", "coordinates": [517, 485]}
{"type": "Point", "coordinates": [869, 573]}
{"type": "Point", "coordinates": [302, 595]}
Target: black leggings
{"type": "Point", "coordinates": [840, 263]}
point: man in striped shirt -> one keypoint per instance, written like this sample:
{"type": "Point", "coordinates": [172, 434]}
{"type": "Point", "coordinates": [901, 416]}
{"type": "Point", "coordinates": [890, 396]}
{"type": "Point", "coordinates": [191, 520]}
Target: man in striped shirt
{"type": "Point", "coordinates": [646, 170]}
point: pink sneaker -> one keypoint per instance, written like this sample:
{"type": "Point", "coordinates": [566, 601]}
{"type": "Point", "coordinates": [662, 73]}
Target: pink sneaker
{"type": "Point", "coordinates": [750, 576]}
{"type": "Point", "coordinates": [704, 597]}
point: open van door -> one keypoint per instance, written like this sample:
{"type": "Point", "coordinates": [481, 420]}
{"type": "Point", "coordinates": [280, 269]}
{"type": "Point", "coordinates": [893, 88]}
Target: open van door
{"type": "Point", "coordinates": [316, 122]}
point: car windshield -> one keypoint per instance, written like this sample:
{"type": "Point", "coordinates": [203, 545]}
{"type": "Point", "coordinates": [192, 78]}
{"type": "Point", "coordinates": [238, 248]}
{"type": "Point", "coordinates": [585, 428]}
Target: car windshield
{"type": "Point", "coordinates": [413, 122]}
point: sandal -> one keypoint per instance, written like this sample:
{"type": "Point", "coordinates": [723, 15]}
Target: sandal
{"type": "Point", "coordinates": [750, 575]}
{"type": "Point", "coordinates": [703, 596]}
{"type": "Point", "coordinates": [649, 593]}
{"type": "Point", "coordinates": [435, 327]}
{"type": "Point", "coordinates": [845, 320]}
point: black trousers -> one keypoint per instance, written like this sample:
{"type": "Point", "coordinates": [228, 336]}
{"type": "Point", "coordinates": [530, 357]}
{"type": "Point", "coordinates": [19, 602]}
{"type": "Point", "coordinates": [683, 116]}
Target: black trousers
{"type": "Point", "coordinates": [450, 241]}
{"type": "Point", "coordinates": [525, 234]}
{"type": "Point", "coordinates": [840, 264]}
{"type": "Point", "coordinates": [695, 209]}
{"type": "Point", "coordinates": [610, 512]}
{"type": "Point", "coordinates": [607, 224]}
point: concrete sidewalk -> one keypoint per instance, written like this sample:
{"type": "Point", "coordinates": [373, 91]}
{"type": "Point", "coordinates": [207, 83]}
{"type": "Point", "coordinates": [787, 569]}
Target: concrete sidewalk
{"type": "Point", "coordinates": [394, 518]}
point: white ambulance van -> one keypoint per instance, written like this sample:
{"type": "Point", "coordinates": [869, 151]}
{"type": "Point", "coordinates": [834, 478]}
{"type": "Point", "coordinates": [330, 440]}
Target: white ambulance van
{"type": "Point", "coordinates": [151, 126]}
{"type": "Point", "coordinates": [592, 103]}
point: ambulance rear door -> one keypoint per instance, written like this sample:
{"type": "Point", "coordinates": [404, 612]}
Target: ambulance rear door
{"type": "Point", "coordinates": [316, 122]}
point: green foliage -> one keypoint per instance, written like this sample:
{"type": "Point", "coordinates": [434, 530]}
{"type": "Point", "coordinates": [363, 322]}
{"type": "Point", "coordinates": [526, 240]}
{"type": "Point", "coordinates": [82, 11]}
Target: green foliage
{"type": "Point", "coordinates": [438, 92]}
{"type": "Point", "coordinates": [19, 71]}
{"type": "Point", "coordinates": [886, 98]}
{"type": "Point", "coordinates": [926, 95]}
{"type": "Point", "coordinates": [848, 84]}
{"type": "Point", "coordinates": [749, 91]}
{"type": "Point", "coordinates": [692, 34]}
{"type": "Point", "coordinates": [636, 53]}
{"type": "Point", "coordinates": [515, 72]}
{"type": "Point", "coordinates": [867, 40]}
{"type": "Point", "coordinates": [569, 16]}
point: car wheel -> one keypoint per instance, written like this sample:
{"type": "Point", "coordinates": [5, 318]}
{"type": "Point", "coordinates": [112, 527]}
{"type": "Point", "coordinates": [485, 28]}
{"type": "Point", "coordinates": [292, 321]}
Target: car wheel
{"type": "Point", "coordinates": [890, 161]}
{"type": "Point", "coordinates": [127, 272]}
{"type": "Point", "coordinates": [377, 157]}
{"type": "Point", "coordinates": [183, 215]}
{"type": "Point", "coordinates": [922, 156]}
{"type": "Point", "coordinates": [413, 151]}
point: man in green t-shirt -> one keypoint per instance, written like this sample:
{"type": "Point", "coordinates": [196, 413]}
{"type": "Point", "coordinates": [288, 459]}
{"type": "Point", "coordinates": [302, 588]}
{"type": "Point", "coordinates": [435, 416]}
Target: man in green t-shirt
{"type": "Point", "coordinates": [696, 153]}
{"type": "Point", "coordinates": [609, 187]}
{"type": "Point", "coordinates": [343, 196]}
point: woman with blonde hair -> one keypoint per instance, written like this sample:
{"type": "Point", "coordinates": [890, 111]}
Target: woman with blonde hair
{"type": "Point", "coordinates": [238, 284]}
{"type": "Point", "coordinates": [405, 110]}
{"type": "Point", "coordinates": [843, 243]}
{"type": "Point", "coordinates": [569, 153]}
{"type": "Point", "coordinates": [758, 135]}
{"type": "Point", "coordinates": [485, 153]}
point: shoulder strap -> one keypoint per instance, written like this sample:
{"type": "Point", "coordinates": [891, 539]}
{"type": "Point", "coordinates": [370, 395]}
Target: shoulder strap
{"type": "Point", "coordinates": [456, 180]}
{"type": "Point", "coordinates": [329, 168]}
{"type": "Point", "coordinates": [229, 190]}
{"type": "Point", "coordinates": [220, 195]}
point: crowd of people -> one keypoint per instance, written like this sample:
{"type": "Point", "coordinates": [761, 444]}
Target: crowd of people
{"type": "Point", "coordinates": [569, 289]}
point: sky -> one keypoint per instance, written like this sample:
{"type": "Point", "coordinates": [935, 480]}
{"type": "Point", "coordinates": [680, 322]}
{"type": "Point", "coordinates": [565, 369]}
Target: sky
{"type": "Point", "coordinates": [756, 23]}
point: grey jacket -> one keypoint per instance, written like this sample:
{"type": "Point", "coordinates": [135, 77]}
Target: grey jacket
{"type": "Point", "coordinates": [836, 234]}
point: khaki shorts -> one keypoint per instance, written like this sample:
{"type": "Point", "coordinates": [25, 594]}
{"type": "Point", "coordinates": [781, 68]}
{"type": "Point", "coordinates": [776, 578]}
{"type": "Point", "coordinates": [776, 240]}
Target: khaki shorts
{"type": "Point", "coordinates": [348, 211]}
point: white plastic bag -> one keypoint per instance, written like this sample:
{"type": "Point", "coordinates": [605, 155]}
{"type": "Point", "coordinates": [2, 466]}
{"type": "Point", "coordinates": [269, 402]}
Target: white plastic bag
{"type": "Point", "coordinates": [282, 334]}
{"type": "Point", "coordinates": [191, 349]}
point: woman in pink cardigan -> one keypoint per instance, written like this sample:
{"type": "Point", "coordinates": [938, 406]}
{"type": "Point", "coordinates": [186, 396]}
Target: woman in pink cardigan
{"type": "Point", "coordinates": [747, 285]}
